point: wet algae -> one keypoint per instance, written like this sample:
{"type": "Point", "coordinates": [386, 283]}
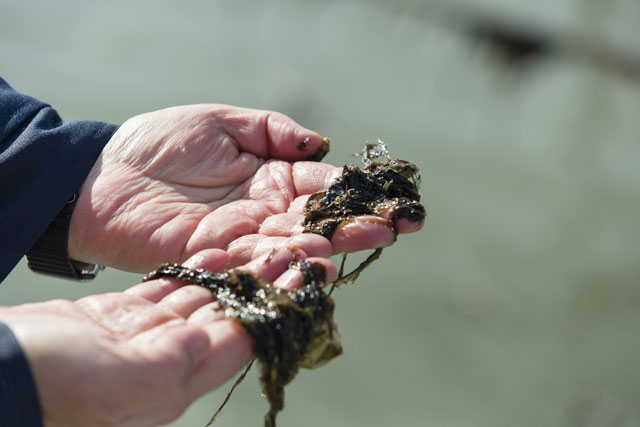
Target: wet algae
{"type": "Point", "coordinates": [293, 329]}
{"type": "Point", "coordinates": [289, 329]}
{"type": "Point", "coordinates": [384, 187]}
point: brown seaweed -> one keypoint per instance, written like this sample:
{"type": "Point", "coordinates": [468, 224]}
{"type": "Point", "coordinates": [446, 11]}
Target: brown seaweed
{"type": "Point", "coordinates": [383, 187]}
{"type": "Point", "coordinates": [289, 329]}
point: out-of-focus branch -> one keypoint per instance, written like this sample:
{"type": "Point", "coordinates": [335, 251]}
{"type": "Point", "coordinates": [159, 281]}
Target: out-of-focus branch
{"type": "Point", "coordinates": [516, 43]}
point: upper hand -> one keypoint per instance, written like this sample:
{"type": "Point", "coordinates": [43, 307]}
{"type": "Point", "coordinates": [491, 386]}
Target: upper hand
{"type": "Point", "coordinates": [173, 182]}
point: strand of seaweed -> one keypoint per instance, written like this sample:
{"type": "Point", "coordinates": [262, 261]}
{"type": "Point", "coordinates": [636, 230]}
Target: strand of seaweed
{"type": "Point", "coordinates": [233, 387]}
{"type": "Point", "coordinates": [342, 278]}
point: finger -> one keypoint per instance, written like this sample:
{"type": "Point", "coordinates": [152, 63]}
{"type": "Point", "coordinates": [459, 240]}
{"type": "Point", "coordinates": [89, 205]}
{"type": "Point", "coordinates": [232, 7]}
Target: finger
{"type": "Point", "coordinates": [298, 204]}
{"type": "Point", "coordinates": [361, 233]}
{"type": "Point", "coordinates": [268, 134]}
{"type": "Point", "coordinates": [208, 313]}
{"type": "Point", "coordinates": [293, 278]}
{"type": "Point", "coordinates": [404, 226]}
{"type": "Point", "coordinates": [186, 300]}
{"type": "Point", "coordinates": [369, 232]}
{"type": "Point", "coordinates": [189, 299]}
{"type": "Point", "coordinates": [229, 351]}
{"type": "Point", "coordinates": [289, 279]}
{"type": "Point", "coordinates": [156, 290]}
{"type": "Point", "coordinates": [227, 223]}
{"type": "Point", "coordinates": [271, 265]}
{"type": "Point", "coordinates": [292, 222]}
{"type": "Point", "coordinates": [249, 247]}
{"type": "Point", "coordinates": [285, 224]}
{"type": "Point", "coordinates": [124, 315]}
{"type": "Point", "coordinates": [311, 177]}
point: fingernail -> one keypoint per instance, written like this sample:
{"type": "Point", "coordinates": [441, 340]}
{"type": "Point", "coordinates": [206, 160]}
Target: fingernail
{"type": "Point", "coordinates": [321, 152]}
{"type": "Point", "coordinates": [290, 279]}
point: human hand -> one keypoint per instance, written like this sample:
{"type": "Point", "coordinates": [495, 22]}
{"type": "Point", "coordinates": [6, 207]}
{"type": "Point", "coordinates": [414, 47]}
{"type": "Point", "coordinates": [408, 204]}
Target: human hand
{"type": "Point", "coordinates": [174, 182]}
{"type": "Point", "coordinates": [138, 357]}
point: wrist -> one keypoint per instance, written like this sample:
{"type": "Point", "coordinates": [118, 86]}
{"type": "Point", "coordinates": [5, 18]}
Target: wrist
{"type": "Point", "coordinates": [50, 254]}
{"type": "Point", "coordinates": [84, 238]}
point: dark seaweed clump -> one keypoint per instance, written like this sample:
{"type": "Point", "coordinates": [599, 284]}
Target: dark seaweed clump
{"type": "Point", "coordinates": [384, 187]}
{"type": "Point", "coordinates": [289, 329]}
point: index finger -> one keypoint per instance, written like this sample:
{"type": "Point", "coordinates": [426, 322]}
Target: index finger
{"type": "Point", "coordinates": [311, 177]}
{"type": "Point", "coordinates": [156, 290]}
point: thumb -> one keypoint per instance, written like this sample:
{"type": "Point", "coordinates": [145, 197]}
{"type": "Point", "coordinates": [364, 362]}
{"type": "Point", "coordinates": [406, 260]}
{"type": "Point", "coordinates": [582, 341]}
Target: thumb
{"type": "Point", "coordinates": [272, 135]}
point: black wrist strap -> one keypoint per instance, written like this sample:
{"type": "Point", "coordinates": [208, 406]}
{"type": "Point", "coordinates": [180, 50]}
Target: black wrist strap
{"type": "Point", "coordinates": [49, 255]}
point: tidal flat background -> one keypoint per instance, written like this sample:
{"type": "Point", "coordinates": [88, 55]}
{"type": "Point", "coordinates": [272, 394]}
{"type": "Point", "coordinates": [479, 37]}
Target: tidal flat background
{"type": "Point", "coordinates": [518, 304]}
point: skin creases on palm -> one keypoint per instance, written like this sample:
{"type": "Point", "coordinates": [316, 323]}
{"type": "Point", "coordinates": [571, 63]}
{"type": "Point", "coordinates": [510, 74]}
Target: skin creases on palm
{"type": "Point", "coordinates": [268, 214]}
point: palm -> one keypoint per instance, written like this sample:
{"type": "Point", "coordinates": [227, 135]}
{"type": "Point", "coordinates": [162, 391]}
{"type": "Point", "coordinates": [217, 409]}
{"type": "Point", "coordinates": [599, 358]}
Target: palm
{"type": "Point", "coordinates": [177, 181]}
{"type": "Point", "coordinates": [117, 356]}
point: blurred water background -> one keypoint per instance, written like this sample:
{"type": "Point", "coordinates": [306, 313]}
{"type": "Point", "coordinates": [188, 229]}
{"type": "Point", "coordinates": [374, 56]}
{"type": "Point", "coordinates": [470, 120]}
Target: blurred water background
{"type": "Point", "coordinates": [519, 302]}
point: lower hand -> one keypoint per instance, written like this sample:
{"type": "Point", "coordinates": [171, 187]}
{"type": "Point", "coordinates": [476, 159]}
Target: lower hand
{"type": "Point", "coordinates": [138, 357]}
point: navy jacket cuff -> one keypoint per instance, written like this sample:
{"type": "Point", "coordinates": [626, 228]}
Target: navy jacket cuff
{"type": "Point", "coordinates": [19, 404]}
{"type": "Point", "coordinates": [43, 161]}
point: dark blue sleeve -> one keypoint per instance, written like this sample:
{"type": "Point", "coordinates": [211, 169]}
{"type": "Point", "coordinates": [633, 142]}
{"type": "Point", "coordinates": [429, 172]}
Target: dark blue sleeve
{"type": "Point", "coordinates": [43, 161]}
{"type": "Point", "coordinates": [19, 405]}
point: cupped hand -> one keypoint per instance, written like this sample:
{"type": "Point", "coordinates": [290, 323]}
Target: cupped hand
{"type": "Point", "coordinates": [138, 357]}
{"type": "Point", "coordinates": [174, 182]}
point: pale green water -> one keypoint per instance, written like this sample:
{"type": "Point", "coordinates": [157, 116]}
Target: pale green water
{"type": "Point", "coordinates": [519, 302]}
